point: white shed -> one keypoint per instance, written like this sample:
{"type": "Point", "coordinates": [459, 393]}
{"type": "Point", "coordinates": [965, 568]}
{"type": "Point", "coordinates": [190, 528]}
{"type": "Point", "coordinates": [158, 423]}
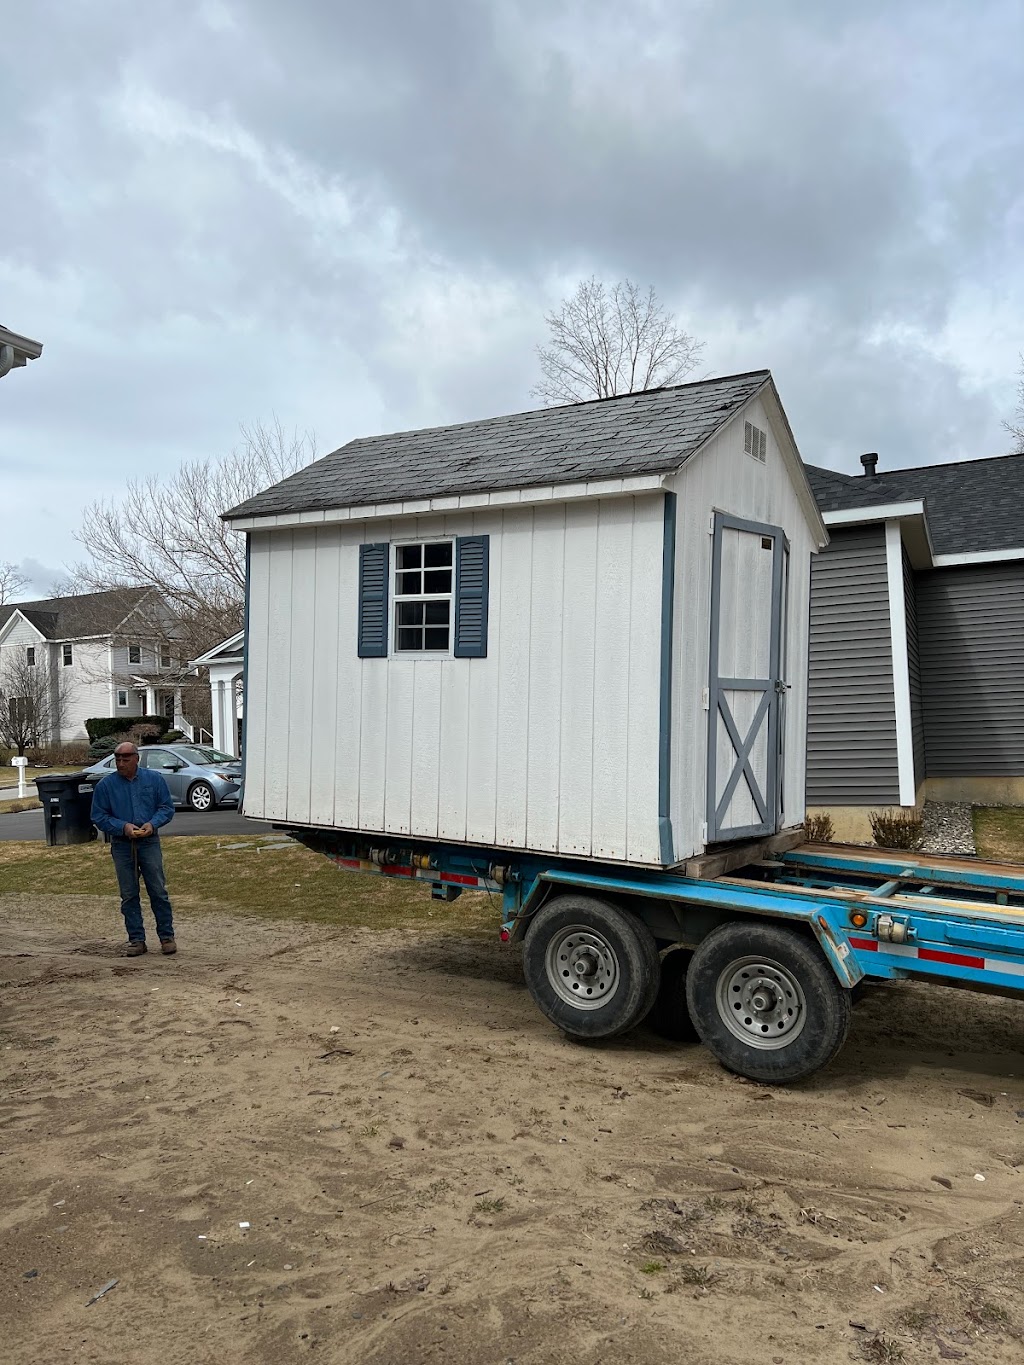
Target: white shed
{"type": "Point", "coordinates": [580, 631]}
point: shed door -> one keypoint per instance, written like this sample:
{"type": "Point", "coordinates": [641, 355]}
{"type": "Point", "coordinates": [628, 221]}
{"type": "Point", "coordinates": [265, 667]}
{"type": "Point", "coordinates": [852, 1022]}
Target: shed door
{"type": "Point", "coordinates": [745, 687]}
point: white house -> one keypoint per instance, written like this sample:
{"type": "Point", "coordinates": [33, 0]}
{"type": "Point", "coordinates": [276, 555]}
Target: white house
{"type": "Point", "coordinates": [225, 664]}
{"type": "Point", "coordinates": [105, 650]}
{"type": "Point", "coordinates": [581, 631]}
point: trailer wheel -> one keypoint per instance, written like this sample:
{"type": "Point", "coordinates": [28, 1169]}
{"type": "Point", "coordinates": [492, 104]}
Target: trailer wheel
{"type": "Point", "coordinates": [591, 968]}
{"type": "Point", "coordinates": [670, 1015]}
{"type": "Point", "coordinates": [766, 1002]}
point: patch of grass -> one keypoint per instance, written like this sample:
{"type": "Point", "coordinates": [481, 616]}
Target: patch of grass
{"type": "Point", "coordinates": [988, 1314]}
{"type": "Point", "coordinates": [19, 803]}
{"type": "Point", "coordinates": [697, 1274]}
{"type": "Point", "coordinates": [883, 1350]}
{"type": "Point", "coordinates": [276, 883]}
{"type": "Point", "coordinates": [652, 1267]}
{"type": "Point", "coordinates": [489, 1206]}
{"type": "Point", "coordinates": [646, 1294]}
{"type": "Point", "coordinates": [916, 1319]}
{"type": "Point", "coordinates": [369, 1130]}
{"type": "Point", "coordinates": [999, 833]}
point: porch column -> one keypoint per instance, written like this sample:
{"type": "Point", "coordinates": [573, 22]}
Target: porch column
{"type": "Point", "coordinates": [150, 700]}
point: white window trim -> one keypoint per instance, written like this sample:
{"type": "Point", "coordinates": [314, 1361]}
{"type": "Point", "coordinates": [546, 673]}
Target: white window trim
{"type": "Point", "coordinates": [30, 662]}
{"type": "Point", "coordinates": [122, 692]}
{"type": "Point", "coordinates": [449, 597]}
{"type": "Point", "coordinates": [161, 650]}
{"type": "Point", "coordinates": [900, 663]}
{"type": "Point", "coordinates": [136, 663]}
{"type": "Point", "coordinates": [67, 648]}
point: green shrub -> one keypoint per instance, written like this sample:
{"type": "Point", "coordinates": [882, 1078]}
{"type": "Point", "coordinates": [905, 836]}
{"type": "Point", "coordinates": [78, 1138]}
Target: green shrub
{"type": "Point", "coordinates": [172, 736]}
{"type": "Point", "coordinates": [819, 828]}
{"type": "Point", "coordinates": [58, 755]}
{"type": "Point", "coordinates": [100, 726]}
{"type": "Point", "coordinates": [897, 828]}
{"type": "Point", "coordinates": [103, 746]}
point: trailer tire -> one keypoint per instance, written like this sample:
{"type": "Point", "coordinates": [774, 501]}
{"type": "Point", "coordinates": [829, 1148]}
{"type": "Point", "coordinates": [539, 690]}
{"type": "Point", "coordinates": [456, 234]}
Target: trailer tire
{"type": "Point", "coordinates": [670, 1014]}
{"type": "Point", "coordinates": [766, 1003]}
{"type": "Point", "coordinates": [591, 968]}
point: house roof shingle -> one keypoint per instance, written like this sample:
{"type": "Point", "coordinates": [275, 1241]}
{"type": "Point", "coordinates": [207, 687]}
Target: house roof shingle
{"type": "Point", "coordinates": [650, 432]}
{"type": "Point", "coordinates": [971, 507]}
{"type": "Point", "coordinates": [77, 617]}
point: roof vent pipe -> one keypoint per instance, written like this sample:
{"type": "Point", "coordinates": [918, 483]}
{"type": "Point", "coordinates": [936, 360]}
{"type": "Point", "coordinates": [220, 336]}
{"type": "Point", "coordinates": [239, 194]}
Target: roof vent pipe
{"type": "Point", "coordinates": [869, 462]}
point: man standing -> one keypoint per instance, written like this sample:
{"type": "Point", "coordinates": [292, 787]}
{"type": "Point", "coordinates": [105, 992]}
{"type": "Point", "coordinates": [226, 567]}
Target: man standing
{"type": "Point", "coordinates": [130, 806]}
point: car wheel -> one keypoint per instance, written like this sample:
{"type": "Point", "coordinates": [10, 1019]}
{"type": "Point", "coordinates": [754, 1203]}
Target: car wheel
{"type": "Point", "coordinates": [201, 797]}
{"type": "Point", "coordinates": [766, 1002]}
{"type": "Point", "coordinates": [591, 968]}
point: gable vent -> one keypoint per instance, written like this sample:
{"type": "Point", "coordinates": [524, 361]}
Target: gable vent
{"type": "Point", "coordinates": [755, 442]}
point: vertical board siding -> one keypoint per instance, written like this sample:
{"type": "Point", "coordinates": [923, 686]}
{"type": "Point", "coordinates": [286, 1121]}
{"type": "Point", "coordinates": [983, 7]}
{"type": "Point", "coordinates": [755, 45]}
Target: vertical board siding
{"type": "Point", "coordinates": [851, 726]}
{"type": "Point", "coordinates": [722, 477]}
{"type": "Point", "coordinates": [259, 675]}
{"type": "Point", "coordinates": [279, 667]}
{"type": "Point", "coordinates": [323, 736]}
{"type": "Point", "coordinates": [914, 669]}
{"type": "Point", "coordinates": [971, 635]}
{"type": "Point", "coordinates": [550, 742]}
{"type": "Point", "coordinates": [301, 717]}
{"type": "Point", "coordinates": [643, 754]}
{"type": "Point", "coordinates": [514, 678]}
{"type": "Point", "coordinates": [544, 737]}
{"type": "Point", "coordinates": [482, 756]}
{"type": "Point", "coordinates": [609, 815]}
{"type": "Point", "coordinates": [579, 669]}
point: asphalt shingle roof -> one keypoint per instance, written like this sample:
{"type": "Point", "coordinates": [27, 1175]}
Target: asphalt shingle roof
{"type": "Point", "coordinates": [75, 618]}
{"type": "Point", "coordinates": [639, 433]}
{"type": "Point", "coordinates": [971, 507]}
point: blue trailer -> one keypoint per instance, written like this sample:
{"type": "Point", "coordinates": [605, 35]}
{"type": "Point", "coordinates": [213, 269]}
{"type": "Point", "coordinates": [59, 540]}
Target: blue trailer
{"type": "Point", "coordinates": [761, 962]}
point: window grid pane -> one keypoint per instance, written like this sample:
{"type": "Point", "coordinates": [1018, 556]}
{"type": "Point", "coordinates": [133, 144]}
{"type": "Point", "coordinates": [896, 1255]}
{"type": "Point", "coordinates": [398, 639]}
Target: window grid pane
{"type": "Point", "coordinates": [423, 573]}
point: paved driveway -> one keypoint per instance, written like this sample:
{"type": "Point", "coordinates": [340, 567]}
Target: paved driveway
{"type": "Point", "coordinates": [28, 824]}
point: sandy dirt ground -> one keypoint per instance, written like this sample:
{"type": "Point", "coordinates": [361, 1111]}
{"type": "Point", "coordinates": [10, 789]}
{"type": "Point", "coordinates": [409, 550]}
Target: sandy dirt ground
{"type": "Point", "coordinates": [293, 1143]}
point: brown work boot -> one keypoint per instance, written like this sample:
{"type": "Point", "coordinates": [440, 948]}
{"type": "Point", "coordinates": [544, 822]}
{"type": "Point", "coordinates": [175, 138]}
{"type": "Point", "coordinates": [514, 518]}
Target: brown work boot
{"type": "Point", "coordinates": [135, 948]}
{"type": "Point", "coordinates": [168, 946]}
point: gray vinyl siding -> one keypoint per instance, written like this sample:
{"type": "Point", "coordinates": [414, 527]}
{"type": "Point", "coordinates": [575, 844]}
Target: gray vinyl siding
{"type": "Point", "coordinates": [914, 669]}
{"type": "Point", "coordinates": [851, 724]}
{"type": "Point", "coordinates": [971, 632]}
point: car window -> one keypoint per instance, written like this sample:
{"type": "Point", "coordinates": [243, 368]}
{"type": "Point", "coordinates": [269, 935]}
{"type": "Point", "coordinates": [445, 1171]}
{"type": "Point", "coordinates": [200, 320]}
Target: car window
{"type": "Point", "coordinates": [214, 755]}
{"type": "Point", "coordinates": [199, 753]}
{"type": "Point", "coordinates": [159, 758]}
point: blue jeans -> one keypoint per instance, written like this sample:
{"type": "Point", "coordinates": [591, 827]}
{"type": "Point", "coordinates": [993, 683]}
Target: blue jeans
{"type": "Point", "coordinates": [132, 856]}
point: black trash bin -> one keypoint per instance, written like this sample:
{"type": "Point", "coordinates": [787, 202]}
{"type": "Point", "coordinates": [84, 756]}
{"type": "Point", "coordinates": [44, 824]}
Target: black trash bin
{"type": "Point", "coordinates": [67, 808]}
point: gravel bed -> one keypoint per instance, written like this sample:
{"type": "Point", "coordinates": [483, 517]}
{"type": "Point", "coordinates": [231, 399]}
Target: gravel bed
{"type": "Point", "coordinates": [948, 828]}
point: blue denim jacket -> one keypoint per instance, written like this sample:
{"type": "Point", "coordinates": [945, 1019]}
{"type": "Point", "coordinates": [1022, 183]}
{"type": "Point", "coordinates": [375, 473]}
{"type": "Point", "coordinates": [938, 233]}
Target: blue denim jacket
{"type": "Point", "coordinates": [117, 802]}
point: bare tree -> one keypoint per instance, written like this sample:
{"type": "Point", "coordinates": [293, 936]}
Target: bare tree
{"type": "Point", "coordinates": [1016, 428]}
{"type": "Point", "coordinates": [610, 341]}
{"type": "Point", "coordinates": [33, 701]}
{"type": "Point", "coordinates": [12, 581]}
{"type": "Point", "coordinates": [167, 533]}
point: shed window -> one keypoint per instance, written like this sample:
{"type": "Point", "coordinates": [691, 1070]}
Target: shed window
{"type": "Point", "coordinates": [135, 654]}
{"type": "Point", "coordinates": [68, 656]}
{"type": "Point", "coordinates": [122, 696]}
{"type": "Point", "coordinates": [30, 655]}
{"type": "Point", "coordinates": [423, 597]}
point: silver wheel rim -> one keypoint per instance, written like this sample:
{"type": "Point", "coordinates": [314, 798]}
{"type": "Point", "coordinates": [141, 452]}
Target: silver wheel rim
{"type": "Point", "coordinates": [201, 798]}
{"type": "Point", "coordinates": [582, 967]}
{"type": "Point", "coordinates": [761, 1003]}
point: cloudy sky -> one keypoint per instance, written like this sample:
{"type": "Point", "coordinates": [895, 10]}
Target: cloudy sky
{"type": "Point", "coordinates": [354, 216]}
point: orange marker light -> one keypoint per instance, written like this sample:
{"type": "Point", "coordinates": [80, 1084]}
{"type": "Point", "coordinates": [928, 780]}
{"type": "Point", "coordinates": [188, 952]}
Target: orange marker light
{"type": "Point", "coordinates": [858, 919]}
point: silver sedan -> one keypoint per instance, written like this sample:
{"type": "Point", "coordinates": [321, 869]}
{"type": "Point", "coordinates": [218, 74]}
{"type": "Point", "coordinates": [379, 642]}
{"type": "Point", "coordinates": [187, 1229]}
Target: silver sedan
{"type": "Point", "coordinates": [199, 777]}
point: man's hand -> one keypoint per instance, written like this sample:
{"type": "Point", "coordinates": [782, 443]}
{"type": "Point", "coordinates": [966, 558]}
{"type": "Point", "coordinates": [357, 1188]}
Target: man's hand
{"type": "Point", "coordinates": [144, 831]}
{"type": "Point", "coordinates": [129, 831]}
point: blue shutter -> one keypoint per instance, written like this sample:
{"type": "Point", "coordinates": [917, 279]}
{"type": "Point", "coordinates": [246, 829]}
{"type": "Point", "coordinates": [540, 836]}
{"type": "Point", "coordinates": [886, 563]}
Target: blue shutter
{"type": "Point", "coordinates": [373, 601]}
{"type": "Point", "coordinates": [471, 561]}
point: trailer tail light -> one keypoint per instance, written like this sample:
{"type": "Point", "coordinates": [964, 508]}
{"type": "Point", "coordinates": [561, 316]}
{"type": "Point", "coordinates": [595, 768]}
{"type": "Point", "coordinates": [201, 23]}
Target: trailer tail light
{"type": "Point", "coordinates": [505, 934]}
{"type": "Point", "coordinates": [858, 919]}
